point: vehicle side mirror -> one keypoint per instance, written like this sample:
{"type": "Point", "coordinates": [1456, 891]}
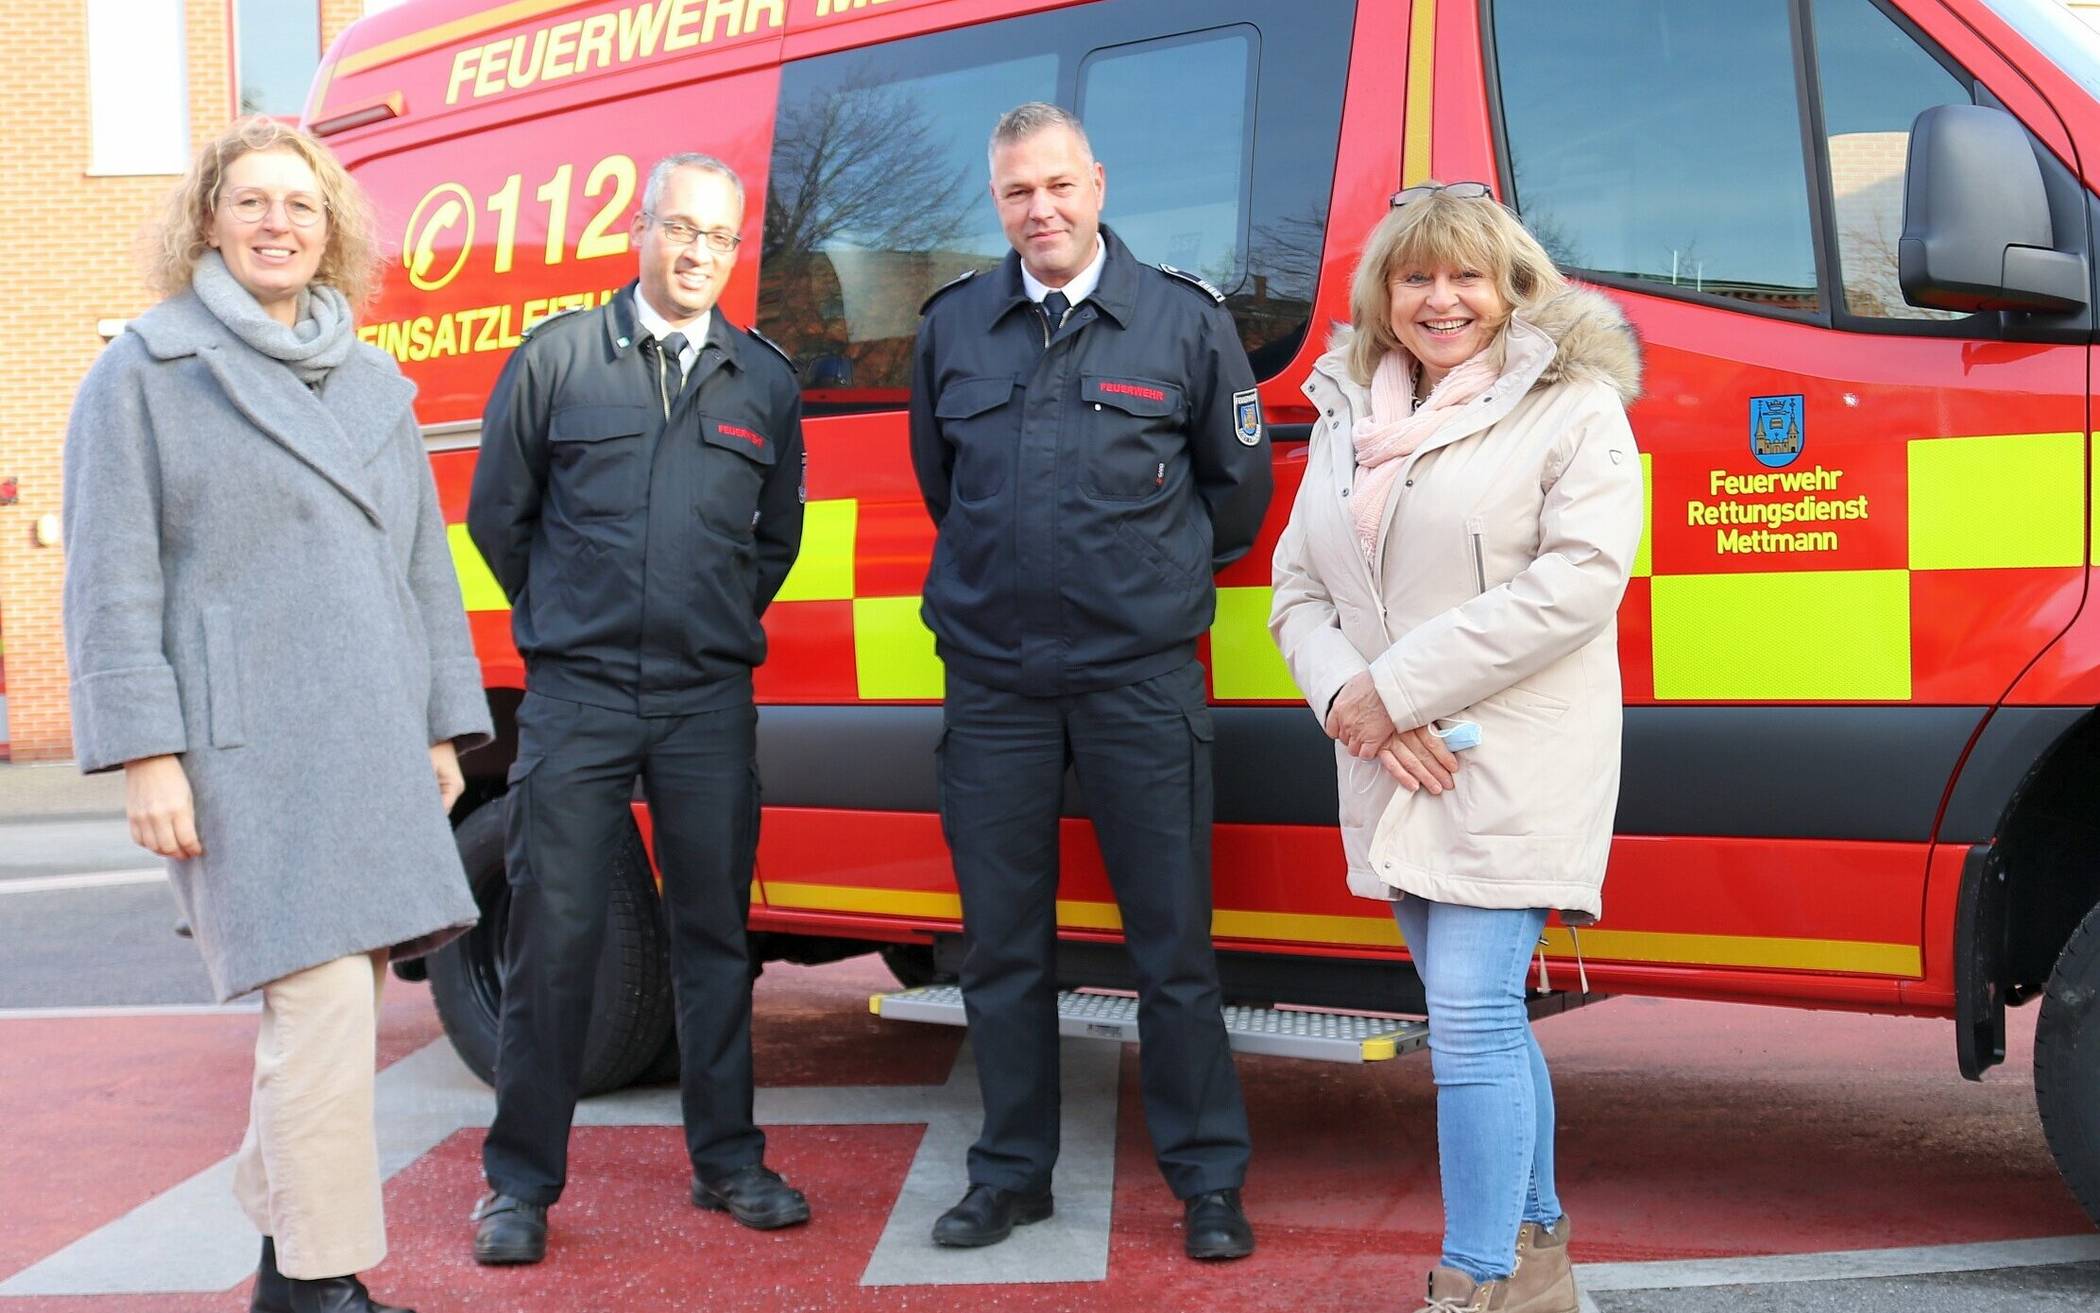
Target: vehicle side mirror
{"type": "Point", "coordinates": [1976, 231]}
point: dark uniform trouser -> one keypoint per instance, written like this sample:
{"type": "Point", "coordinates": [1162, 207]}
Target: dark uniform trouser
{"type": "Point", "coordinates": [1142, 754]}
{"type": "Point", "coordinates": [570, 793]}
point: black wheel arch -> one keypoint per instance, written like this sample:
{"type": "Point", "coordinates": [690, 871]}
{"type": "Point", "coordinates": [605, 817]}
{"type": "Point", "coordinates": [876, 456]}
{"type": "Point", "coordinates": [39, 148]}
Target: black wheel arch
{"type": "Point", "coordinates": [2028, 803]}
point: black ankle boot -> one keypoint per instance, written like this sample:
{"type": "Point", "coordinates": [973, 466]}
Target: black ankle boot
{"type": "Point", "coordinates": [272, 1293]}
{"type": "Point", "coordinates": [337, 1295]}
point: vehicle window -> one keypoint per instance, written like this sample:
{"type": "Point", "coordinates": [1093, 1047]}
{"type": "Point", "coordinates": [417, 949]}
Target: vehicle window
{"type": "Point", "coordinates": [877, 191]}
{"type": "Point", "coordinates": [1177, 197]}
{"type": "Point", "coordinates": [876, 197]}
{"type": "Point", "coordinates": [2063, 37]}
{"type": "Point", "coordinates": [1674, 156]}
{"type": "Point", "coordinates": [1874, 81]}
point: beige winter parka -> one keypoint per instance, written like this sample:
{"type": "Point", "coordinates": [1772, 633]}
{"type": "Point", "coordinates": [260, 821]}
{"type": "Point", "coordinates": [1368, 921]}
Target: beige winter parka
{"type": "Point", "coordinates": [1506, 547]}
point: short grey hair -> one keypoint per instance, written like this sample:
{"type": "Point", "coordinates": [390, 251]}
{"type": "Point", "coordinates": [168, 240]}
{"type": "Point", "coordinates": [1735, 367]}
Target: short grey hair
{"type": "Point", "coordinates": [1024, 121]}
{"type": "Point", "coordinates": [660, 173]}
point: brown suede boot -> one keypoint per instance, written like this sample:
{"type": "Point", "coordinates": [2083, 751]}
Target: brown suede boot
{"type": "Point", "coordinates": [1452, 1291]}
{"type": "Point", "coordinates": [1544, 1281]}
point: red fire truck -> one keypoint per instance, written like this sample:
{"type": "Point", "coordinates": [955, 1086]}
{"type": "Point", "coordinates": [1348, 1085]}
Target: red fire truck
{"type": "Point", "coordinates": [1862, 765]}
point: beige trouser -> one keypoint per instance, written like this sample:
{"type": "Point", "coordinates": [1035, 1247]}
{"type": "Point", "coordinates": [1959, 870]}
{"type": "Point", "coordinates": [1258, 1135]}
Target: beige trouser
{"type": "Point", "coordinates": [308, 1168]}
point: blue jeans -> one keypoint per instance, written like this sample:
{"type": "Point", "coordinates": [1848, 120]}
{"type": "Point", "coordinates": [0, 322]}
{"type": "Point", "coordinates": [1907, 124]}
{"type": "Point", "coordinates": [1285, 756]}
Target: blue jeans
{"type": "Point", "coordinates": [1494, 1100]}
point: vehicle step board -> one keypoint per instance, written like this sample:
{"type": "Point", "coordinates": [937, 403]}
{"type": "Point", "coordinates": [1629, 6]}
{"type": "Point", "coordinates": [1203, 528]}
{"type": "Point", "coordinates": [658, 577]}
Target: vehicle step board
{"type": "Point", "coordinates": [1279, 1032]}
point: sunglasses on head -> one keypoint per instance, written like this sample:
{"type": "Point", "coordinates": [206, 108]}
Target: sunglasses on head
{"type": "Point", "coordinates": [1464, 191]}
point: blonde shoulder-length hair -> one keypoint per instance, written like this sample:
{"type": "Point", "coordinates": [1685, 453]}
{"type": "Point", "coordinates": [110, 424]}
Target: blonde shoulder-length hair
{"type": "Point", "coordinates": [1439, 231]}
{"type": "Point", "coordinates": [351, 261]}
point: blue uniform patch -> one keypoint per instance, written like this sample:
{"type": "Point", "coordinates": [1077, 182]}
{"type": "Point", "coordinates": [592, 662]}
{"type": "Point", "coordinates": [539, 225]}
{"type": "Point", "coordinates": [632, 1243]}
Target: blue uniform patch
{"type": "Point", "coordinates": [1246, 417]}
{"type": "Point", "coordinates": [1776, 429]}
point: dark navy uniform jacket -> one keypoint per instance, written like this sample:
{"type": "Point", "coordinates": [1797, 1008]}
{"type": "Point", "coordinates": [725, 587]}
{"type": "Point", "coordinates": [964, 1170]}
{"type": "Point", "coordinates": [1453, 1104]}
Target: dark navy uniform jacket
{"type": "Point", "coordinates": [638, 550]}
{"type": "Point", "coordinates": [1085, 483]}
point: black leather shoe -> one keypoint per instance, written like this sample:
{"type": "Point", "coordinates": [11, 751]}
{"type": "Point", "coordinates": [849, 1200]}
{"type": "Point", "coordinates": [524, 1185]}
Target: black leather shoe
{"type": "Point", "coordinates": [754, 1195]}
{"type": "Point", "coordinates": [272, 1293]}
{"type": "Point", "coordinates": [988, 1215]}
{"type": "Point", "coordinates": [1215, 1226]}
{"type": "Point", "coordinates": [337, 1295]}
{"type": "Point", "coordinates": [508, 1230]}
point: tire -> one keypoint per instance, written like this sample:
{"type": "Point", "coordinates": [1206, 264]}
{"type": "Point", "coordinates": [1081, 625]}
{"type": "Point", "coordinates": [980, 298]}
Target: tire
{"type": "Point", "coordinates": [913, 965]}
{"type": "Point", "coordinates": [631, 1005]}
{"type": "Point", "coordinates": [2067, 1064]}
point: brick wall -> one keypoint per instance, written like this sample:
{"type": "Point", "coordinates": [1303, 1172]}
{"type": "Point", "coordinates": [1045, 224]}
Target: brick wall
{"type": "Point", "coordinates": [68, 259]}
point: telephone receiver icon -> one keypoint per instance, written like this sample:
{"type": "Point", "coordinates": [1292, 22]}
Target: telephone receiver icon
{"type": "Point", "coordinates": [448, 213]}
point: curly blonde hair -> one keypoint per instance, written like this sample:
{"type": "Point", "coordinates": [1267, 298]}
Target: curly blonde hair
{"type": "Point", "coordinates": [352, 259]}
{"type": "Point", "coordinates": [1440, 231]}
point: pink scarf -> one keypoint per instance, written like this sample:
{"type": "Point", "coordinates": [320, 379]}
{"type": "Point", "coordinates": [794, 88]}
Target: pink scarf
{"type": "Point", "coordinates": [1395, 428]}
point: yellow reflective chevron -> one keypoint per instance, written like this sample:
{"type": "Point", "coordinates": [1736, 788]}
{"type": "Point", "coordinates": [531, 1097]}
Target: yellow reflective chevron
{"type": "Point", "coordinates": [478, 588]}
{"type": "Point", "coordinates": [893, 654]}
{"type": "Point", "coordinates": [1643, 562]}
{"type": "Point", "coordinates": [2000, 502]}
{"type": "Point", "coordinates": [1824, 635]}
{"type": "Point", "coordinates": [1244, 662]}
{"type": "Point", "coordinates": [823, 570]}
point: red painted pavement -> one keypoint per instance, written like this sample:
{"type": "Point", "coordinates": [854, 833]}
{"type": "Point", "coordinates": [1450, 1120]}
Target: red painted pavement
{"type": "Point", "coordinates": [1687, 1130]}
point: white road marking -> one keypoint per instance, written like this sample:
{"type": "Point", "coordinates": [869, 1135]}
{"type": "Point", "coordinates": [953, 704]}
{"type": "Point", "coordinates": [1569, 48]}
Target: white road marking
{"type": "Point", "coordinates": [48, 884]}
{"type": "Point", "coordinates": [141, 1010]}
{"type": "Point", "coordinates": [194, 1238]}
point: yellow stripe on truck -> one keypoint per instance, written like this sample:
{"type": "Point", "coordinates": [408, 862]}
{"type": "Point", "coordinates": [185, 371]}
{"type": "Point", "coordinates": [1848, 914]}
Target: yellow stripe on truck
{"type": "Point", "coordinates": [1637, 946]}
{"type": "Point", "coordinates": [1421, 64]}
{"type": "Point", "coordinates": [1993, 503]}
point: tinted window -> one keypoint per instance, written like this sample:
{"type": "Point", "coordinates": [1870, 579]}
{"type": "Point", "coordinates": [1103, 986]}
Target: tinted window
{"type": "Point", "coordinates": [1177, 198]}
{"type": "Point", "coordinates": [878, 196]}
{"type": "Point", "coordinates": [1661, 141]}
{"type": "Point", "coordinates": [1875, 79]}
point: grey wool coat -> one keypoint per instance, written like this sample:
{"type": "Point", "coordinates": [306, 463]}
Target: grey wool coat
{"type": "Point", "coordinates": [257, 579]}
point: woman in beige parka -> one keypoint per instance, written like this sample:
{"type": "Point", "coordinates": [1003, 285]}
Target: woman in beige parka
{"type": "Point", "coordinates": [1452, 567]}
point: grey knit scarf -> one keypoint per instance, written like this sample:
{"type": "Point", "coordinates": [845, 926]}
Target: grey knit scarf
{"type": "Point", "coordinates": [316, 344]}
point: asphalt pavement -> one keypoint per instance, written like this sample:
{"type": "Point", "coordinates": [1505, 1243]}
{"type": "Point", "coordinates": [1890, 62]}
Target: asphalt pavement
{"type": "Point", "coordinates": [1714, 1157]}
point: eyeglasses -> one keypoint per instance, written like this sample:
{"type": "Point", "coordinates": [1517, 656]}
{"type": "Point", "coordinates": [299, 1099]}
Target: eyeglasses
{"type": "Point", "coordinates": [1460, 191]}
{"type": "Point", "coordinates": [685, 234]}
{"type": "Point", "coordinates": [301, 210]}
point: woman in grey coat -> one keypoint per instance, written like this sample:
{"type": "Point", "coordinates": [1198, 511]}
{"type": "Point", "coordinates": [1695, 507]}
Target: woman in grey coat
{"type": "Point", "coordinates": [265, 633]}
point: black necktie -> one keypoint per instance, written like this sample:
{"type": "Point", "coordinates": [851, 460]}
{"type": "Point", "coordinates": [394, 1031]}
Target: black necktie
{"type": "Point", "coordinates": [673, 345]}
{"type": "Point", "coordinates": [669, 350]}
{"type": "Point", "coordinates": [1056, 305]}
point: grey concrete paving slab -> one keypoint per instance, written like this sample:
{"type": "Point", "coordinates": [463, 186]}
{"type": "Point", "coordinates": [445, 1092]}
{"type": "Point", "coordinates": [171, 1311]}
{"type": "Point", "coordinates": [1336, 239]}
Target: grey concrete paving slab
{"type": "Point", "coordinates": [98, 947]}
{"type": "Point", "coordinates": [2071, 1288]}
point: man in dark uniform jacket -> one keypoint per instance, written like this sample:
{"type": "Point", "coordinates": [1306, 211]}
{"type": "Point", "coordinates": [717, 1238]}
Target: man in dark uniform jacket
{"type": "Point", "coordinates": [1088, 440]}
{"type": "Point", "coordinates": [639, 497]}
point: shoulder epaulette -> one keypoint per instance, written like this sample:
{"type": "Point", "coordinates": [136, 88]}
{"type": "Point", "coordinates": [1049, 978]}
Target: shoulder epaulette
{"type": "Point", "coordinates": [539, 324]}
{"type": "Point", "coordinates": [949, 286]}
{"type": "Point", "coordinates": [778, 349]}
{"type": "Point", "coordinates": [1193, 281]}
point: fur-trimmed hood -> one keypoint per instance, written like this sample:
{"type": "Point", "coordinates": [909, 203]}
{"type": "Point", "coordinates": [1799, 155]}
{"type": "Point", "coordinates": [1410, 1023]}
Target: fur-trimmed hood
{"type": "Point", "coordinates": [1588, 336]}
{"type": "Point", "coordinates": [1591, 339]}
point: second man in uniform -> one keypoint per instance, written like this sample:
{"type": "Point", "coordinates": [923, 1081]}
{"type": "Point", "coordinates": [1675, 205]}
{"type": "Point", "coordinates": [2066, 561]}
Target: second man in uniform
{"type": "Point", "coordinates": [1087, 437]}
